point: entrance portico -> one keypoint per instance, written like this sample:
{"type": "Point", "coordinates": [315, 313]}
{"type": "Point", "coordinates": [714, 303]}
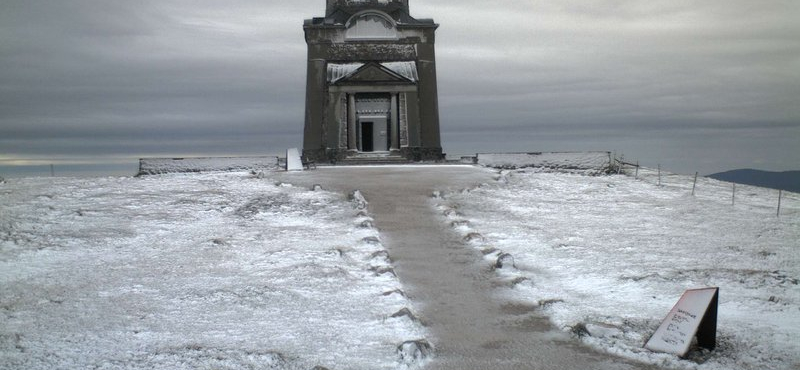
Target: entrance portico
{"type": "Point", "coordinates": [372, 111]}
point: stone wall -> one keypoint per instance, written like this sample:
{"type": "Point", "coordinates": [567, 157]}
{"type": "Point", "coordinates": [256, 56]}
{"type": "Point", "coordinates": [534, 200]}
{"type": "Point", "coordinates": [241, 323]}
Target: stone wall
{"type": "Point", "coordinates": [592, 161]}
{"type": "Point", "coordinates": [331, 5]}
{"type": "Point", "coordinates": [155, 166]}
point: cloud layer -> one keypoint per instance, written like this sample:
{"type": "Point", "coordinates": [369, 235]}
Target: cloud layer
{"type": "Point", "coordinates": [695, 86]}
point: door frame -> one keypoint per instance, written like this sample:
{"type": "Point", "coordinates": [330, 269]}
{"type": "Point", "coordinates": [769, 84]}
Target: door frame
{"type": "Point", "coordinates": [380, 133]}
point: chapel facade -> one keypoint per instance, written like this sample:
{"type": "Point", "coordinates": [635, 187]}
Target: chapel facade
{"type": "Point", "coordinates": [371, 83]}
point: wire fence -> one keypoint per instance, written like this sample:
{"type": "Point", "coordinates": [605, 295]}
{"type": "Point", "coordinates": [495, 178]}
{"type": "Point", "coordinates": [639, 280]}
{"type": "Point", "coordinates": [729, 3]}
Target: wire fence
{"type": "Point", "coordinates": [777, 202]}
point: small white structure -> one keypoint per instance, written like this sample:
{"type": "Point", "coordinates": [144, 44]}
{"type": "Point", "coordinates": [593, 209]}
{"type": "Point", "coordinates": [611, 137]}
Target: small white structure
{"type": "Point", "coordinates": [293, 161]}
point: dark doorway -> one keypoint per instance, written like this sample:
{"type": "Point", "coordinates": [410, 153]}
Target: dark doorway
{"type": "Point", "coordinates": [367, 144]}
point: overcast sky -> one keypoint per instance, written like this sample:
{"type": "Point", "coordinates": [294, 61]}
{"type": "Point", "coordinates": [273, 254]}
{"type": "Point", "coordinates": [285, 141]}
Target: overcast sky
{"type": "Point", "coordinates": [701, 86]}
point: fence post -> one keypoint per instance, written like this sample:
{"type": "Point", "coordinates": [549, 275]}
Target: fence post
{"type": "Point", "coordinates": [621, 163]}
{"type": "Point", "coordinates": [780, 195]}
{"type": "Point", "coordinates": [637, 171]}
{"type": "Point", "coordinates": [659, 175]}
{"type": "Point", "coordinates": [733, 195]}
{"type": "Point", "coordinates": [694, 186]}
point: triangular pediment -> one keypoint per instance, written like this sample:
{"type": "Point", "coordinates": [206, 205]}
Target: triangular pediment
{"type": "Point", "coordinates": [374, 72]}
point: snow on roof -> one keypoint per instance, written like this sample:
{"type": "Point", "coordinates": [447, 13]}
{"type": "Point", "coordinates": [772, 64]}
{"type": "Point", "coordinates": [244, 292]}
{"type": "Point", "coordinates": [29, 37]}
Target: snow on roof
{"type": "Point", "coordinates": [339, 71]}
{"type": "Point", "coordinates": [405, 69]}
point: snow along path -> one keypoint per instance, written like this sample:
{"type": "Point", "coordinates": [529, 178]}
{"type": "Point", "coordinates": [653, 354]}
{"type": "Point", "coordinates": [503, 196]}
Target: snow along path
{"type": "Point", "coordinates": [455, 291]}
{"type": "Point", "coordinates": [631, 248]}
{"type": "Point", "coordinates": [192, 271]}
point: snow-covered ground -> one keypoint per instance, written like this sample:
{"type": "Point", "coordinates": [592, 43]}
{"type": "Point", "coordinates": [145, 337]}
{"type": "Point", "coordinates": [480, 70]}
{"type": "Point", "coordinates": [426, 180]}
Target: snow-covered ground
{"type": "Point", "coordinates": [606, 257]}
{"type": "Point", "coordinates": [198, 271]}
{"type": "Point", "coordinates": [234, 271]}
{"type": "Point", "coordinates": [155, 166]}
{"type": "Point", "coordinates": [594, 162]}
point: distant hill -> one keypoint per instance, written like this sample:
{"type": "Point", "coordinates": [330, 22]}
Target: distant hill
{"type": "Point", "coordinates": [788, 180]}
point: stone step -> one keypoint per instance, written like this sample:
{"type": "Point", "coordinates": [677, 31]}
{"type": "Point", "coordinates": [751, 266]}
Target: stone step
{"type": "Point", "coordinates": [373, 159]}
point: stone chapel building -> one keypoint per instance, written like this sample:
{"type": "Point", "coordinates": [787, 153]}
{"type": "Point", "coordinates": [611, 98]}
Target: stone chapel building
{"type": "Point", "coordinates": [371, 83]}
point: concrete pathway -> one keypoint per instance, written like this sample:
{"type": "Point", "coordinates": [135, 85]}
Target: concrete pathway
{"type": "Point", "coordinates": [449, 283]}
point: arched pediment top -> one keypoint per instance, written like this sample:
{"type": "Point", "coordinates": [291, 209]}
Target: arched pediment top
{"type": "Point", "coordinates": [352, 6]}
{"type": "Point", "coordinates": [371, 25]}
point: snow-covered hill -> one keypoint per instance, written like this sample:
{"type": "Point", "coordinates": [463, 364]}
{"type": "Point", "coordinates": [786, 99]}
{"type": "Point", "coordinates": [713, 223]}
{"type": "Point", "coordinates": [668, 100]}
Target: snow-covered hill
{"type": "Point", "coordinates": [200, 271]}
{"type": "Point", "coordinates": [606, 257]}
{"type": "Point", "coordinates": [234, 271]}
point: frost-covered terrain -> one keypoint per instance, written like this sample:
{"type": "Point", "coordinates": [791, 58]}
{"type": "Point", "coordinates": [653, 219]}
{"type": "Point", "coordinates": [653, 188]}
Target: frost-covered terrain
{"type": "Point", "coordinates": [606, 257]}
{"type": "Point", "coordinates": [155, 166]}
{"type": "Point", "coordinates": [234, 271]}
{"type": "Point", "coordinates": [594, 162]}
{"type": "Point", "coordinates": [199, 271]}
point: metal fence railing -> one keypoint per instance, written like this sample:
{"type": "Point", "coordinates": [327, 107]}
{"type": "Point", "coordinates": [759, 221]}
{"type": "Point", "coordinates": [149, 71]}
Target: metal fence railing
{"type": "Point", "coordinates": [774, 201]}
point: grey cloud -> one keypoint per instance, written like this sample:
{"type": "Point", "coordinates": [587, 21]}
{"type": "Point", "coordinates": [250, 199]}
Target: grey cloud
{"type": "Point", "coordinates": [664, 81]}
{"type": "Point", "coordinates": [123, 71]}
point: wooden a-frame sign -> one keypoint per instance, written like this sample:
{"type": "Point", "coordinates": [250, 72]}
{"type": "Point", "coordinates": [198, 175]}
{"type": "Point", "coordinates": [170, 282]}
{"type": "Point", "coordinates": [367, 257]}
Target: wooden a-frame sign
{"type": "Point", "coordinates": [695, 314]}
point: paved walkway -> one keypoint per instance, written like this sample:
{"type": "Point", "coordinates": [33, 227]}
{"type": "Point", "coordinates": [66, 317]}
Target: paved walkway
{"type": "Point", "coordinates": [447, 280]}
